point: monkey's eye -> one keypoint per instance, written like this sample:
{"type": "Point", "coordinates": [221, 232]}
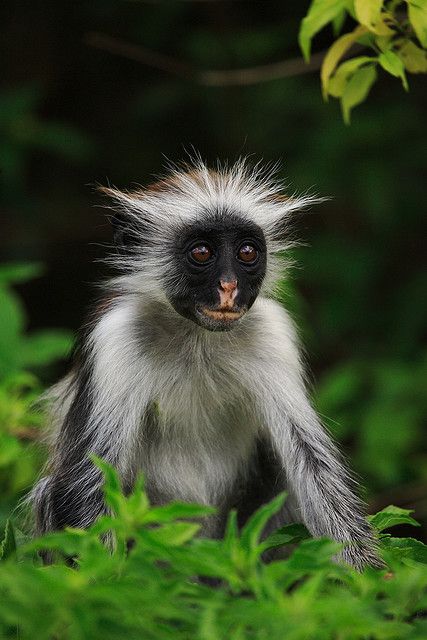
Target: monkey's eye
{"type": "Point", "coordinates": [201, 253]}
{"type": "Point", "coordinates": [247, 253]}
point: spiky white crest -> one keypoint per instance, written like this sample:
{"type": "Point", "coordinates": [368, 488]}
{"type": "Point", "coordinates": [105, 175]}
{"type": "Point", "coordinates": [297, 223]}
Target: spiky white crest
{"type": "Point", "coordinates": [192, 193]}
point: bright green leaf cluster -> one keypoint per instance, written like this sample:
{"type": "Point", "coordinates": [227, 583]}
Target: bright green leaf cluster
{"type": "Point", "coordinates": [394, 30]}
{"type": "Point", "coordinates": [162, 581]}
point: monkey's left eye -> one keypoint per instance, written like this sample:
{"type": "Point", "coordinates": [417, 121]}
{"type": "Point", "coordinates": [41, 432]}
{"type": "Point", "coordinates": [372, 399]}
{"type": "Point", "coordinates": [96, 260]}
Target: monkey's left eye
{"type": "Point", "coordinates": [247, 253]}
{"type": "Point", "coordinates": [201, 253]}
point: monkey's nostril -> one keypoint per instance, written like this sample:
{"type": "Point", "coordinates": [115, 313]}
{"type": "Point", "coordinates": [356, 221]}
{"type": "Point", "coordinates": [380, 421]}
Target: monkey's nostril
{"type": "Point", "coordinates": [228, 285]}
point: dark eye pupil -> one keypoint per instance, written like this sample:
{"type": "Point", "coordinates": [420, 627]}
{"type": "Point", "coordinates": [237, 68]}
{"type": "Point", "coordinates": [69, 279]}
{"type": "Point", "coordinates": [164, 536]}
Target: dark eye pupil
{"type": "Point", "coordinates": [248, 253]}
{"type": "Point", "coordinates": [201, 253]}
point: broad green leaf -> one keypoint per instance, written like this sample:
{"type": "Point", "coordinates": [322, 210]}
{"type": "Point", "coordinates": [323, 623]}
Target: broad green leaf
{"type": "Point", "coordinates": [319, 14]}
{"type": "Point", "coordinates": [335, 53]}
{"type": "Point", "coordinates": [406, 547]}
{"type": "Point", "coordinates": [342, 75]}
{"type": "Point", "coordinates": [417, 10]}
{"type": "Point", "coordinates": [290, 534]}
{"type": "Point", "coordinates": [391, 62]}
{"type": "Point", "coordinates": [8, 544]}
{"type": "Point", "coordinates": [390, 517]}
{"type": "Point", "coordinates": [252, 530]}
{"type": "Point", "coordinates": [45, 347]}
{"type": "Point", "coordinates": [313, 554]}
{"type": "Point", "coordinates": [14, 272]}
{"type": "Point", "coordinates": [338, 22]}
{"type": "Point", "coordinates": [357, 89]}
{"type": "Point", "coordinates": [369, 13]}
{"type": "Point", "coordinates": [414, 58]}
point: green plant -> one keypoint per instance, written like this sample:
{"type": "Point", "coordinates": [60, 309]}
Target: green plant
{"type": "Point", "coordinates": [395, 30]}
{"type": "Point", "coordinates": [173, 584]}
{"type": "Point", "coordinates": [17, 349]}
{"type": "Point", "coordinates": [21, 416]}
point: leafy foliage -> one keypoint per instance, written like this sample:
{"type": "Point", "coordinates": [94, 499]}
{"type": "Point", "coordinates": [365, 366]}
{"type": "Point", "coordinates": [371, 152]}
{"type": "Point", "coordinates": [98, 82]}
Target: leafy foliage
{"type": "Point", "coordinates": [173, 584]}
{"type": "Point", "coordinates": [17, 350]}
{"type": "Point", "coordinates": [398, 37]}
{"type": "Point", "coordinates": [21, 416]}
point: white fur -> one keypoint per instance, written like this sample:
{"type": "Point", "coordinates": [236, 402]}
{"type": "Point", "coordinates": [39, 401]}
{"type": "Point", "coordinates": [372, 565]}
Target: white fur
{"type": "Point", "coordinates": [184, 404]}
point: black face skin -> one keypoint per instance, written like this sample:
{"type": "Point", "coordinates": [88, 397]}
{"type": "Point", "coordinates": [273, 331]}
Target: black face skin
{"type": "Point", "coordinates": [217, 270]}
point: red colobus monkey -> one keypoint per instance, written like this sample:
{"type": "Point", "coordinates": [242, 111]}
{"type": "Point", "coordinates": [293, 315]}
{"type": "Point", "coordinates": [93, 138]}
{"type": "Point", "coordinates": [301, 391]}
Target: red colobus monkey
{"type": "Point", "coordinates": [191, 373]}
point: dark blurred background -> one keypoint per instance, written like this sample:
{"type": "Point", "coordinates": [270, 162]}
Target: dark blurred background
{"type": "Point", "coordinates": [103, 91]}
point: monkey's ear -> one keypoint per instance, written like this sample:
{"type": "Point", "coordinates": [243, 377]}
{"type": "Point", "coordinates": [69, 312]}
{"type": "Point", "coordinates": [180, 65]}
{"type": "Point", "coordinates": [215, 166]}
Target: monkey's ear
{"type": "Point", "coordinates": [125, 219]}
{"type": "Point", "coordinates": [122, 234]}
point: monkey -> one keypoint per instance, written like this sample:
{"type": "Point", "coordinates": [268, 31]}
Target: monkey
{"type": "Point", "coordinates": [191, 372]}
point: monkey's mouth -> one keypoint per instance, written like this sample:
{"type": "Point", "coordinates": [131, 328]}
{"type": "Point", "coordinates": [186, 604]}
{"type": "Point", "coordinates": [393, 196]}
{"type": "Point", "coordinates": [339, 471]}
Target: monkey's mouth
{"type": "Point", "coordinates": [228, 315]}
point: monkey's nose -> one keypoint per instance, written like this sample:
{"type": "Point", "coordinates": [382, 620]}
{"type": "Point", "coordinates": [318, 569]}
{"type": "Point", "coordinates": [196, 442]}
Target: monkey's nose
{"type": "Point", "coordinates": [228, 285]}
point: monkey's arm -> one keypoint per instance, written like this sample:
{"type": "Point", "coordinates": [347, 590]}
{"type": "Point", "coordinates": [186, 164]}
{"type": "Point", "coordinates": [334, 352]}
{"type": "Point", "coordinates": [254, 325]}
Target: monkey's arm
{"type": "Point", "coordinates": [315, 473]}
{"type": "Point", "coordinates": [101, 412]}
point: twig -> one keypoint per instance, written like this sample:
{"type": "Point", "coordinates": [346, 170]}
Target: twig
{"type": "Point", "coordinates": [212, 78]}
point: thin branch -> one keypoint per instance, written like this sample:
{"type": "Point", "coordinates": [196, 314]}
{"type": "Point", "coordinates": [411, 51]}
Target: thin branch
{"type": "Point", "coordinates": [211, 78]}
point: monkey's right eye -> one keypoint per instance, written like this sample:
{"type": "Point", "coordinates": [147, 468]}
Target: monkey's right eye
{"type": "Point", "coordinates": [201, 253]}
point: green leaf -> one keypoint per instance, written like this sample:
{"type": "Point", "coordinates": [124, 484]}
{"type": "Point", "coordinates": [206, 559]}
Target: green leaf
{"type": "Point", "coordinates": [313, 554]}
{"type": "Point", "coordinates": [406, 547]}
{"type": "Point", "coordinates": [176, 533]}
{"type": "Point", "coordinates": [45, 347]}
{"type": "Point", "coordinates": [369, 13]}
{"type": "Point", "coordinates": [417, 11]}
{"type": "Point", "coordinates": [290, 534]}
{"type": "Point", "coordinates": [414, 58]}
{"type": "Point", "coordinates": [15, 272]}
{"type": "Point", "coordinates": [338, 22]}
{"type": "Point", "coordinates": [10, 449]}
{"type": "Point", "coordinates": [335, 53]}
{"type": "Point", "coordinates": [391, 62]}
{"type": "Point", "coordinates": [345, 71]}
{"type": "Point", "coordinates": [177, 510]}
{"type": "Point", "coordinates": [390, 517]}
{"type": "Point", "coordinates": [319, 14]}
{"type": "Point", "coordinates": [8, 544]}
{"type": "Point", "coordinates": [357, 89]}
{"type": "Point", "coordinates": [252, 530]}
{"type": "Point", "coordinates": [12, 321]}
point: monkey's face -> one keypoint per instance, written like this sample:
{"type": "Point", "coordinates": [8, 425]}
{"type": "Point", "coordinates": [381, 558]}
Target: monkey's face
{"type": "Point", "coordinates": [217, 270]}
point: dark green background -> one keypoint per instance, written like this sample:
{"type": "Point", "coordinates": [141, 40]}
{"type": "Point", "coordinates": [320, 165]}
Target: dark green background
{"type": "Point", "coordinates": [72, 116]}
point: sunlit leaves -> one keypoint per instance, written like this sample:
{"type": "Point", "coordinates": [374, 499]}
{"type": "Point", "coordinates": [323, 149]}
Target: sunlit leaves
{"type": "Point", "coordinates": [335, 54]}
{"type": "Point", "coordinates": [356, 89]}
{"type": "Point", "coordinates": [369, 13]}
{"type": "Point", "coordinates": [383, 33]}
{"type": "Point", "coordinates": [414, 58]}
{"type": "Point", "coordinates": [394, 65]}
{"type": "Point", "coordinates": [417, 10]}
{"type": "Point", "coordinates": [320, 13]}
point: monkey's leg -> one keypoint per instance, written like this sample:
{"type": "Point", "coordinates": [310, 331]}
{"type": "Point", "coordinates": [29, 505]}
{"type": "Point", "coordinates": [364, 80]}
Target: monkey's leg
{"type": "Point", "coordinates": [261, 483]}
{"type": "Point", "coordinates": [73, 498]}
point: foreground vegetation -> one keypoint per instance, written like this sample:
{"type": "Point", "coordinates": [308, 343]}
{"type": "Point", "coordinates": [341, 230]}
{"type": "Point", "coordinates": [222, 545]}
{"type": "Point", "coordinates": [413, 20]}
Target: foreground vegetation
{"type": "Point", "coordinates": [171, 584]}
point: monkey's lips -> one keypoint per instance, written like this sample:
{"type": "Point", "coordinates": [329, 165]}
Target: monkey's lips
{"type": "Point", "coordinates": [227, 315]}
